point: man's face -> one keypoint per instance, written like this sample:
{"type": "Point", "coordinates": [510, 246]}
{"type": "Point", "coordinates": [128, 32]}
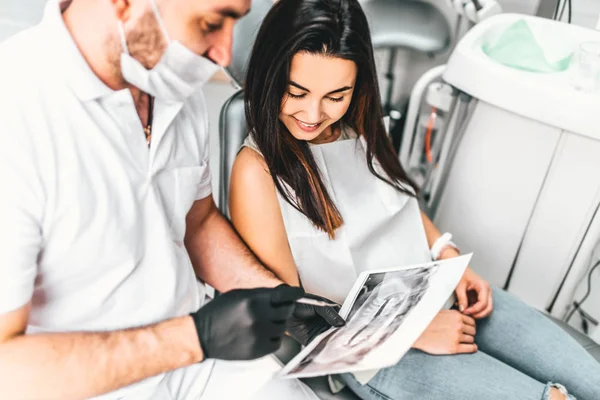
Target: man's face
{"type": "Point", "coordinates": [203, 26]}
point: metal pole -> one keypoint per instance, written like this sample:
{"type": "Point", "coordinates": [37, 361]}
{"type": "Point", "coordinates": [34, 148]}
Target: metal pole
{"type": "Point", "coordinates": [389, 76]}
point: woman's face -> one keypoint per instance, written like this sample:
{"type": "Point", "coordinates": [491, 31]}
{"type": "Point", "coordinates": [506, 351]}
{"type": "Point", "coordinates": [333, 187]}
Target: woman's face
{"type": "Point", "coordinates": [318, 95]}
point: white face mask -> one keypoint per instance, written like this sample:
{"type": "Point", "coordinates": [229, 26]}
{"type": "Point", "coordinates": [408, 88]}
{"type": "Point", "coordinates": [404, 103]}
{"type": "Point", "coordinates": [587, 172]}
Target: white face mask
{"type": "Point", "coordinates": [178, 74]}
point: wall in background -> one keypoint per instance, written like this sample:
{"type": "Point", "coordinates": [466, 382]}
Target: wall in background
{"type": "Point", "coordinates": [18, 14]}
{"type": "Point", "coordinates": [585, 12]}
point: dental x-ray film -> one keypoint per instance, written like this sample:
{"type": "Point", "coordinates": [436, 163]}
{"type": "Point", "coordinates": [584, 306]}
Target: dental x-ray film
{"type": "Point", "coordinates": [386, 311]}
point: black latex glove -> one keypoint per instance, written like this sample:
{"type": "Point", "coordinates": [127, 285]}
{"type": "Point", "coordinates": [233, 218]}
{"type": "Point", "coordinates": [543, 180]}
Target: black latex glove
{"type": "Point", "coordinates": [245, 324]}
{"type": "Point", "coordinates": [308, 322]}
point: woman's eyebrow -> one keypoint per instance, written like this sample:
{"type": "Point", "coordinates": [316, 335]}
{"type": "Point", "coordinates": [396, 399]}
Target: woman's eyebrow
{"type": "Point", "coordinates": [342, 89]}
{"type": "Point", "coordinates": [292, 83]}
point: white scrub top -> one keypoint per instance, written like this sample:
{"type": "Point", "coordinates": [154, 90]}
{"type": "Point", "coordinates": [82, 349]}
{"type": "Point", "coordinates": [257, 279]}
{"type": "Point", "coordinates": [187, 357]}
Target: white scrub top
{"type": "Point", "coordinates": [91, 221]}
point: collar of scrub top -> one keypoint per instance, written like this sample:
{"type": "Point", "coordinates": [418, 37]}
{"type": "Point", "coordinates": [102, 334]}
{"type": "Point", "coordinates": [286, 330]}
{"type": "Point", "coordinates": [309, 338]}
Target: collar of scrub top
{"type": "Point", "coordinates": [68, 59]}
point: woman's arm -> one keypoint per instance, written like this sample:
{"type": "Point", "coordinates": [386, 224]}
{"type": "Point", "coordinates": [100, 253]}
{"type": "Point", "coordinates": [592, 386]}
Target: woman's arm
{"type": "Point", "coordinates": [255, 214]}
{"type": "Point", "coordinates": [434, 234]}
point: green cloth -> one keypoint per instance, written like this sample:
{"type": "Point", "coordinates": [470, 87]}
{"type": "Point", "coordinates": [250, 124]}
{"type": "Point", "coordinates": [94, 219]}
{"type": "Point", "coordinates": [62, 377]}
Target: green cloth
{"type": "Point", "coordinates": [518, 48]}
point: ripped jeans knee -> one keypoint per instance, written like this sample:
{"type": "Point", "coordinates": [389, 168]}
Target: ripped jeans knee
{"type": "Point", "coordinates": [560, 388]}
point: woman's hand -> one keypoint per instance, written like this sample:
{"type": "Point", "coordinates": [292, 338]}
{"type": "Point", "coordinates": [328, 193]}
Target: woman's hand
{"type": "Point", "coordinates": [450, 332]}
{"type": "Point", "coordinates": [474, 295]}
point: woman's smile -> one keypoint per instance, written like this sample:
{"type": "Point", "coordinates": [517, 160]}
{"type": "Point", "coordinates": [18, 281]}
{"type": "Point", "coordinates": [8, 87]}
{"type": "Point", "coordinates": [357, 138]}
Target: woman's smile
{"type": "Point", "coordinates": [306, 127]}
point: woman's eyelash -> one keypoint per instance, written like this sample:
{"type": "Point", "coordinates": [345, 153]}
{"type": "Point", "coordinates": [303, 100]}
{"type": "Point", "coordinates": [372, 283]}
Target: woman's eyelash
{"type": "Point", "coordinates": [299, 96]}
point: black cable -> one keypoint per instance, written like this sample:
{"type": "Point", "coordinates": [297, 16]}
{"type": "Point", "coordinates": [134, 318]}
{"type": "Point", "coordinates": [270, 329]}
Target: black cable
{"type": "Point", "coordinates": [592, 219]}
{"type": "Point", "coordinates": [584, 324]}
{"type": "Point", "coordinates": [588, 317]}
{"type": "Point", "coordinates": [577, 305]}
{"type": "Point", "coordinates": [562, 10]}
{"type": "Point", "coordinates": [556, 9]}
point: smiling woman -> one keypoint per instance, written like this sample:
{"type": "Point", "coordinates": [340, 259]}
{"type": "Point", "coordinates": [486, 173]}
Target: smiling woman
{"type": "Point", "coordinates": [307, 81]}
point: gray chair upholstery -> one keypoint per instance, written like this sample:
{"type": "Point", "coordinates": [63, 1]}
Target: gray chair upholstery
{"type": "Point", "coordinates": [232, 132]}
{"type": "Point", "coordinates": [407, 24]}
{"type": "Point", "coordinates": [592, 347]}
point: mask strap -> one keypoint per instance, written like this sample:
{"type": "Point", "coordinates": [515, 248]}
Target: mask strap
{"type": "Point", "coordinates": [159, 19]}
{"type": "Point", "coordinates": [122, 36]}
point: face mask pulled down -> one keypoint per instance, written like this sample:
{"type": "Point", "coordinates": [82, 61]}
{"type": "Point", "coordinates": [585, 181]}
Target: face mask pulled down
{"type": "Point", "coordinates": [178, 74]}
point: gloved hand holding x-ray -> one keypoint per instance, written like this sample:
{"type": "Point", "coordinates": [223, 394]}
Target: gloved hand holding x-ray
{"type": "Point", "coordinates": [249, 324]}
{"type": "Point", "coordinates": [309, 321]}
{"type": "Point", "coordinates": [245, 324]}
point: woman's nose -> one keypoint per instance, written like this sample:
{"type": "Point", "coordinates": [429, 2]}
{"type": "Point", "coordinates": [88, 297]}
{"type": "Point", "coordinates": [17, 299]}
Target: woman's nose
{"type": "Point", "coordinates": [314, 112]}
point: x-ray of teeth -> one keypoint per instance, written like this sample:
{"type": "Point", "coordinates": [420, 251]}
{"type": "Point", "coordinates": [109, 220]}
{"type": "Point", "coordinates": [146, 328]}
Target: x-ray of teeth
{"type": "Point", "coordinates": [385, 312]}
{"type": "Point", "coordinates": [384, 302]}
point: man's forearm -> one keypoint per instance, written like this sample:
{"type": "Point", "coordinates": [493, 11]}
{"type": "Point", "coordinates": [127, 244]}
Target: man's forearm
{"type": "Point", "coordinates": [221, 258]}
{"type": "Point", "coordinates": [81, 365]}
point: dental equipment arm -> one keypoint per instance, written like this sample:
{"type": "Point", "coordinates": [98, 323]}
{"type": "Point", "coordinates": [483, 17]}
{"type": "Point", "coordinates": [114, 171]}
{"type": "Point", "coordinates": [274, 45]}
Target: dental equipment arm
{"type": "Point", "coordinates": [476, 10]}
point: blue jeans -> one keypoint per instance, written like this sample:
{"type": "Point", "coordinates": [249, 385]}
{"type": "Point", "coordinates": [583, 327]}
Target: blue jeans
{"type": "Point", "coordinates": [521, 355]}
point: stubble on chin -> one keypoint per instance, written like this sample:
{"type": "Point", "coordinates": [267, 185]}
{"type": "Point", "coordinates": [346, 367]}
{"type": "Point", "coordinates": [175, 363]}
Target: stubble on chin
{"type": "Point", "coordinates": [145, 42]}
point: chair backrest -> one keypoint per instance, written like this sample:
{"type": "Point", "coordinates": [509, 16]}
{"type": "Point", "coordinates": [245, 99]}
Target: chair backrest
{"type": "Point", "coordinates": [409, 24]}
{"type": "Point", "coordinates": [244, 35]}
{"type": "Point", "coordinates": [232, 132]}
{"type": "Point", "coordinates": [232, 124]}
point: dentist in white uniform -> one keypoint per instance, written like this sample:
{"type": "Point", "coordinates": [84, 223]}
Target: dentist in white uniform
{"type": "Point", "coordinates": [106, 215]}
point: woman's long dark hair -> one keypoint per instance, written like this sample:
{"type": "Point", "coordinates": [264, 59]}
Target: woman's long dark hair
{"type": "Point", "coordinates": [335, 28]}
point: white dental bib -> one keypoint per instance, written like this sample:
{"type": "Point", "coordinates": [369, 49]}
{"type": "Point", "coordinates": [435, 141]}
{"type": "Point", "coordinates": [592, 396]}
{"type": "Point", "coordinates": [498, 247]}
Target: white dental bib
{"type": "Point", "coordinates": [382, 226]}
